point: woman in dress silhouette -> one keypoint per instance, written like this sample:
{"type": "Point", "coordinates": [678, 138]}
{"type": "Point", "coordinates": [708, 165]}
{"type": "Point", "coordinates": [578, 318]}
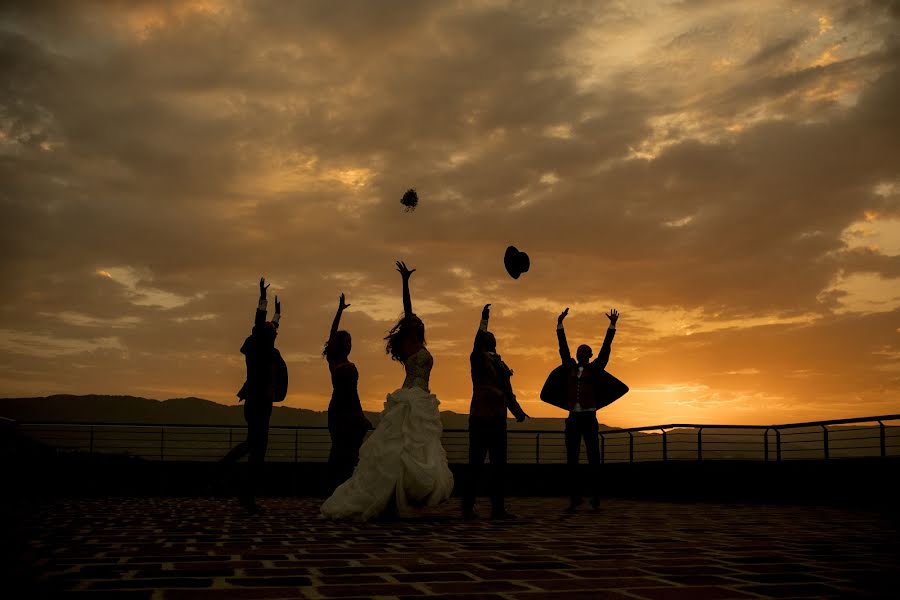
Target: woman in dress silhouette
{"type": "Point", "coordinates": [402, 464]}
{"type": "Point", "coordinates": [347, 424]}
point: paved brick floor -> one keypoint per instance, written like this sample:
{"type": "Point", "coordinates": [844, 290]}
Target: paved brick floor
{"type": "Point", "coordinates": [199, 548]}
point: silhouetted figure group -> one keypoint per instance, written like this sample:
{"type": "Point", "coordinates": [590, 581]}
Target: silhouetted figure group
{"type": "Point", "coordinates": [402, 463]}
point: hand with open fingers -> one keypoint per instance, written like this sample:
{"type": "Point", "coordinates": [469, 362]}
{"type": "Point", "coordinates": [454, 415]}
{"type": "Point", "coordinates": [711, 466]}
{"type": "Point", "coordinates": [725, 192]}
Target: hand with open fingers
{"type": "Point", "coordinates": [404, 271]}
{"type": "Point", "coordinates": [342, 305]}
{"type": "Point", "coordinates": [562, 315]}
{"type": "Point", "coordinates": [613, 316]}
{"type": "Point", "coordinates": [263, 286]}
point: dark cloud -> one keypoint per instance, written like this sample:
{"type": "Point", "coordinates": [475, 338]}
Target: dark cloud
{"type": "Point", "coordinates": [776, 51]}
{"type": "Point", "coordinates": [687, 164]}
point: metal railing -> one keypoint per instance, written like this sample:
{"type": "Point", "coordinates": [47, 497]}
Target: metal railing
{"type": "Point", "coordinates": [834, 439]}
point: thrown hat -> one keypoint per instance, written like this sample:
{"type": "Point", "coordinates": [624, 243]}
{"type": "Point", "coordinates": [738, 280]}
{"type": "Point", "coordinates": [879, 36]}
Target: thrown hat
{"type": "Point", "coordinates": [410, 199]}
{"type": "Point", "coordinates": [515, 262]}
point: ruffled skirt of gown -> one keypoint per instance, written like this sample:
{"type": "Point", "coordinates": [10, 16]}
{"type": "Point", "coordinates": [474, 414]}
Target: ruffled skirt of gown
{"type": "Point", "coordinates": [402, 460]}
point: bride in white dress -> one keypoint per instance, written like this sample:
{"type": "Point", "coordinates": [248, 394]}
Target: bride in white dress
{"type": "Point", "coordinates": [402, 463]}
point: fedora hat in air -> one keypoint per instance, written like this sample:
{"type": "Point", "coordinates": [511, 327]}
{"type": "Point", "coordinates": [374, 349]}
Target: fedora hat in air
{"type": "Point", "coordinates": [516, 262]}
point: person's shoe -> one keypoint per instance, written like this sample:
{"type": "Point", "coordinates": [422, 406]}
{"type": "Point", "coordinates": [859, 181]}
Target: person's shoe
{"type": "Point", "coordinates": [502, 515]}
{"type": "Point", "coordinates": [574, 504]}
{"type": "Point", "coordinates": [595, 503]}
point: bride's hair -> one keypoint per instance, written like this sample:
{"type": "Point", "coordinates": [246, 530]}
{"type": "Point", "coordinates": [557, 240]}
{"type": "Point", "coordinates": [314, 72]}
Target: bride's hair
{"type": "Point", "coordinates": [406, 326]}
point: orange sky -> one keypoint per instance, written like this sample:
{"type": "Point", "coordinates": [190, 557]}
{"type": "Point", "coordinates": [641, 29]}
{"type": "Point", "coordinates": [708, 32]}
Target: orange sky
{"type": "Point", "coordinates": [726, 175]}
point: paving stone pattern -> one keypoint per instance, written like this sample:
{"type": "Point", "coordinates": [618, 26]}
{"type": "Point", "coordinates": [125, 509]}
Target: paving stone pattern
{"type": "Point", "coordinates": [207, 548]}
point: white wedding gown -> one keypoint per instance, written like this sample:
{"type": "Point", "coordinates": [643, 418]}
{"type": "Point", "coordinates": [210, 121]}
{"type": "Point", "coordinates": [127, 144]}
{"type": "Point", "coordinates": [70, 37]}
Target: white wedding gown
{"type": "Point", "coordinates": [402, 460]}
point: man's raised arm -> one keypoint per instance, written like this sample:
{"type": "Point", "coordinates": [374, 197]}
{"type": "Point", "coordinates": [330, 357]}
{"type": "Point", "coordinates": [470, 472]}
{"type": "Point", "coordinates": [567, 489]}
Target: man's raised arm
{"type": "Point", "coordinates": [263, 303]}
{"type": "Point", "coordinates": [564, 353]}
{"type": "Point", "coordinates": [603, 356]}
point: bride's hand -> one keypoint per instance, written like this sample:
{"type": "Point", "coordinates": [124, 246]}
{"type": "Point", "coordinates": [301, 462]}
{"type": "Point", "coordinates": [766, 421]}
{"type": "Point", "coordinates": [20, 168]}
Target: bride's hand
{"type": "Point", "coordinates": [406, 273]}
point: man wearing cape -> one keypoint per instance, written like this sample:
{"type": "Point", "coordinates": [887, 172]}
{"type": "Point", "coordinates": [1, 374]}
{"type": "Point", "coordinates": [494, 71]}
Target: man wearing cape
{"type": "Point", "coordinates": [582, 387]}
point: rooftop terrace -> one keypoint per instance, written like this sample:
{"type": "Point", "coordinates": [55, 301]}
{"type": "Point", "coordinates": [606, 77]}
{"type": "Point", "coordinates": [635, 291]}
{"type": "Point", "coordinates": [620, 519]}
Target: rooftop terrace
{"type": "Point", "coordinates": [166, 548]}
{"type": "Point", "coordinates": [82, 516]}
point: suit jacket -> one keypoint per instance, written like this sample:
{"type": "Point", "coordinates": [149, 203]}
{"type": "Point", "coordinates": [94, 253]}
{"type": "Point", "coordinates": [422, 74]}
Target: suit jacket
{"type": "Point", "coordinates": [492, 392]}
{"type": "Point", "coordinates": [607, 388]}
{"type": "Point", "coordinates": [267, 375]}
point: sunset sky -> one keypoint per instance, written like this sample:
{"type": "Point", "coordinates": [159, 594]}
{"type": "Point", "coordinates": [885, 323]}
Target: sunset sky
{"type": "Point", "coordinates": [726, 175]}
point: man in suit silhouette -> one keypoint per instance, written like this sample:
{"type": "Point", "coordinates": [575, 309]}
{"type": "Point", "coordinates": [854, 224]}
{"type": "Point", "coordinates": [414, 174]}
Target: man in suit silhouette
{"type": "Point", "coordinates": [266, 383]}
{"type": "Point", "coordinates": [492, 395]}
{"type": "Point", "coordinates": [581, 389]}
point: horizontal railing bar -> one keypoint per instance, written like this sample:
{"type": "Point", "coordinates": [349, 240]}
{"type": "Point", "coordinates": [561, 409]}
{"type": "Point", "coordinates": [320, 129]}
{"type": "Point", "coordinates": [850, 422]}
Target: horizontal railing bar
{"type": "Point", "coordinates": [855, 437]}
{"type": "Point", "coordinates": [202, 442]}
{"type": "Point", "coordinates": [783, 426]}
{"type": "Point", "coordinates": [653, 429]}
{"type": "Point", "coordinates": [323, 428]}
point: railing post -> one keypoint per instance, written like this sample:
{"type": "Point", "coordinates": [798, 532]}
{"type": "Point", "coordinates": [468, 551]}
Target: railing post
{"type": "Point", "coordinates": [296, 444]}
{"type": "Point", "coordinates": [630, 447]}
{"type": "Point", "coordinates": [883, 444]}
{"type": "Point", "coordinates": [699, 444]}
{"type": "Point", "coordinates": [230, 434]}
{"type": "Point", "coordinates": [162, 443]}
{"type": "Point", "coordinates": [602, 449]}
{"type": "Point", "coordinates": [766, 446]}
{"type": "Point", "coordinates": [777, 444]}
{"type": "Point", "coordinates": [537, 449]}
{"type": "Point", "coordinates": [665, 448]}
{"type": "Point", "coordinates": [92, 441]}
{"type": "Point", "coordinates": [825, 439]}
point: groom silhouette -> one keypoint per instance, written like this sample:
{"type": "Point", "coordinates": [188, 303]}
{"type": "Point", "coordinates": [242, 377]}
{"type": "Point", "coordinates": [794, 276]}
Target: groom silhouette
{"type": "Point", "coordinates": [582, 386]}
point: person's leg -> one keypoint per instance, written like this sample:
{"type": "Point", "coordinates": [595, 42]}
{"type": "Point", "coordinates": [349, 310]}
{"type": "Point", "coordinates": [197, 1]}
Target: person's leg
{"type": "Point", "coordinates": [333, 460]}
{"type": "Point", "coordinates": [477, 453]}
{"type": "Point", "coordinates": [592, 447]}
{"type": "Point", "coordinates": [573, 449]}
{"type": "Point", "coordinates": [339, 459]}
{"type": "Point", "coordinates": [258, 439]}
{"type": "Point", "coordinates": [344, 454]}
{"type": "Point", "coordinates": [223, 467]}
{"type": "Point", "coordinates": [497, 448]}
{"type": "Point", "coordinates": [242, 448]}
{"type": "Point", "coordinates": [235, 454]}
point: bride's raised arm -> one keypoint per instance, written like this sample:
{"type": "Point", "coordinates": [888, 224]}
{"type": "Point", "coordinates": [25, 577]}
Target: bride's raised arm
{"type": "Point", "coordinates": [407, 301]}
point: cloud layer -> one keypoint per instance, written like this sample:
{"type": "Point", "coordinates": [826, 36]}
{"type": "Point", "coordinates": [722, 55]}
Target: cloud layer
{"type": "Point", "coordinates": [726, 176]}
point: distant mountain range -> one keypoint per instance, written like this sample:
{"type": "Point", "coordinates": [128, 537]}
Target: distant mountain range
{"type": "Point", "coordinates": [66, 408]}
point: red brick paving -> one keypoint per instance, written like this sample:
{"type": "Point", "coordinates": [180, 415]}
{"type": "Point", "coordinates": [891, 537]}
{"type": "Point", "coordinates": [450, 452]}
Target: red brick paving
{"type": "Point", "coordinates": [206, 548]}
